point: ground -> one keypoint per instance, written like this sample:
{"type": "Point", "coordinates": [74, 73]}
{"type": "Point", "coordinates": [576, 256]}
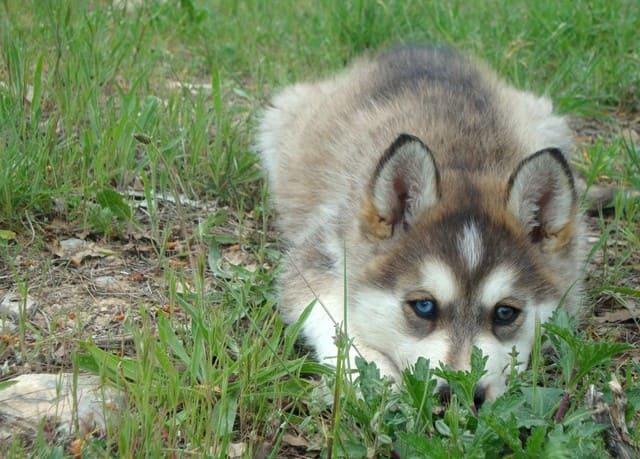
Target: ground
{"type": "Point", "coordinates": [136, 234]}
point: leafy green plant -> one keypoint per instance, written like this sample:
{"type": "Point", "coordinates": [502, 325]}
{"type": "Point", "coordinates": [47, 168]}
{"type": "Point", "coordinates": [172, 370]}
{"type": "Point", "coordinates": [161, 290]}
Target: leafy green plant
{"type": "Point", "coordinates": [576, 356]}
{"type": "Point", "coordinates": [522, 423]}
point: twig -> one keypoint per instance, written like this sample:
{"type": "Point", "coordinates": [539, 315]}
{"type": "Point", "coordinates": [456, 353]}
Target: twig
{"type": "Point", "coordinates": [562, 408]}
{"type": "Point", "coordinates": [617, 438]}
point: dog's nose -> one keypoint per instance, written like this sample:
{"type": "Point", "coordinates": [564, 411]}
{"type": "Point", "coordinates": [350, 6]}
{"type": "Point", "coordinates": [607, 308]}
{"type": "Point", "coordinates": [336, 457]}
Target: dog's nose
{"type": "Point", "coordinates": [444, 392]}
{"type": "Point", "coordinates": [479, 396]}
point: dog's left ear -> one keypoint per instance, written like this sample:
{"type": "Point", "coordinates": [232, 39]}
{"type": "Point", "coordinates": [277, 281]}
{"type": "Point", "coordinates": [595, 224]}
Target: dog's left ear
{"type": "Point", "coordinates": [404, 183]}
{"type": "Point", "coordinates": [541, 194]}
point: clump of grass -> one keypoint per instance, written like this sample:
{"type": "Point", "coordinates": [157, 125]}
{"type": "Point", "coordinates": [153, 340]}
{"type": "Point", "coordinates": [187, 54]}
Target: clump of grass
{"type": "Point", "coordinates": [80, 82]}
{"type": "Point", "coordinates": [211, 379]}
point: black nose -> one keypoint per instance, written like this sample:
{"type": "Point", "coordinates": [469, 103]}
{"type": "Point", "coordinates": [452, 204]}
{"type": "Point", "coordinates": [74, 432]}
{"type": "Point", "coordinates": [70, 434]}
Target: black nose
{"type": "Point", "coordinates": [479, 395]}
{"type": "Point", "coordinates": [444, 392]}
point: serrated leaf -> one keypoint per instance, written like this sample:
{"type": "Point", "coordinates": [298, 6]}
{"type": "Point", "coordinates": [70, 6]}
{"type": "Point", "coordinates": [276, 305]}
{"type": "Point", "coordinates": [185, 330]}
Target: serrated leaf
{"type": "Point", "coordinates": [592, 355]}
{"type": "Point", "coordinates": [584, 356]}
{"type": "Point", "coordinates": [462, 383]}
{"type": "Point", "coordinates": [414, 446]}
{"type": "Point", "coordinates": [536, 442]}
{"type": "Point", "coordinates": [369, 381]}
{"type": "Point", "coordinates": [420, 385]}
{"type": "Point", "coordinates": [564, 334]}
{"type": "Point", "coordinates": [507, 430]}
{"type": "Point", "coordinates": [544, 399]}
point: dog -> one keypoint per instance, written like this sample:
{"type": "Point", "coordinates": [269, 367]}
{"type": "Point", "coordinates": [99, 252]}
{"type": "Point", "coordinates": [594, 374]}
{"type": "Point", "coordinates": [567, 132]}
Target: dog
{"type": "Point", "coordinates": [428, 207]}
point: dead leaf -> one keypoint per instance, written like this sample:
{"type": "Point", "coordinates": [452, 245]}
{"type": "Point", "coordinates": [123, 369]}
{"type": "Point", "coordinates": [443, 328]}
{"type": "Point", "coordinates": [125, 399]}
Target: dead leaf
{"type": "Point", "coordinates": [235, 256]}
{"type": "Point", "coordinates": [61, 353]}
{"type": "Point", "coordinates": [294, 440]}
{"type": "Point", "coordinates": [71, 245]}
{"type": "Point", "coordinates": [178, 264]}
{"type": "Point", "coordinates": [119, 317]}
{"type": "Point", "coordinates": [172, 246]}
{"type": "Point", "coordinates": [9, 339]}
{"type": "Point", "coordinates": [13, 305]}
{"type": "Point", "coordinates": [75, 448]}
{"type": "Point", "coordinates": [136, 276]}
{"type": "Point", "coordinates": [236, 449]}
{"type": "Point", "coordinates": [168, 198]}
{"type": "Point", "coordinates": [619, 441]}
{"type": "Point", "coordinates": [183, 288]}
{"type": "Point", "coordinates": [138, 184]}
{"type": "Point", "coordinates": [193, 88]}
{"type": "Point", "coordinates": [28, 96]}
{"type": "Point", "coordinates": [110, 284]}
{"type": "Point", "coordinates": [617, 316]}
{"type": "Point", "coordinates": [77, 250]}
{"type": "Point", "coordinates": [93, 252]}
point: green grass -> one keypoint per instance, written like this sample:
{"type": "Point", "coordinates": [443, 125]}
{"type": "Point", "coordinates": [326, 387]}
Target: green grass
{"type": "Point", "coordinates": [90, 107]}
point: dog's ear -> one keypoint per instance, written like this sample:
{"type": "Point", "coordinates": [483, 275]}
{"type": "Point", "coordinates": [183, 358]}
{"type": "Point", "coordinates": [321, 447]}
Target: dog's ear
{"type": "Point", "coordinates": [404, 184]}
{"type": "Point", "coordinates": [541, 194]}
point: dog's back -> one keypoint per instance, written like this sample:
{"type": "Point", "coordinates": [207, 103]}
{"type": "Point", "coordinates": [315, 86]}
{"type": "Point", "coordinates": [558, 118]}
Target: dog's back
{"type": "Point", "coordinates": [321, 141]}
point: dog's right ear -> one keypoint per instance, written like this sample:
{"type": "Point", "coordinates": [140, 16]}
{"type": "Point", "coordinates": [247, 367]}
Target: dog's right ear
{"type": "Point", "coordinates": [404, 184]}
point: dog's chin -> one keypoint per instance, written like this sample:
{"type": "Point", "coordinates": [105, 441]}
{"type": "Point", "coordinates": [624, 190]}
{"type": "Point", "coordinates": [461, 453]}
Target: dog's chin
{"type": "Point", "coordinates": [494, 391]}
{"type": "Point", "coordinates": [391, 370]}
{"type": "Point", "coordinates": [385, 364]}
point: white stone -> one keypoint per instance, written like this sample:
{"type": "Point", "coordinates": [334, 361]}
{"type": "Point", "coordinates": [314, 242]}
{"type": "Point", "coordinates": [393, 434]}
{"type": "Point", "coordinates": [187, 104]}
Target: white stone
{"type": "Point", "coordinates": [33, 397]}
{"type": "Point", "coordinates": [12, 303]}
{"type": "Point", "coordinates": [7, 327]}
{"type": "Point", "coordinates": [105, 281]}
{"type": "Point", "coordinates": [72, 245]}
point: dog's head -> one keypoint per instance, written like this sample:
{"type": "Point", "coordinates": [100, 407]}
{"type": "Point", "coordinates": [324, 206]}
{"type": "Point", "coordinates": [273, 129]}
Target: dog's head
{"type": "Point", "coordinates": [462, 258]}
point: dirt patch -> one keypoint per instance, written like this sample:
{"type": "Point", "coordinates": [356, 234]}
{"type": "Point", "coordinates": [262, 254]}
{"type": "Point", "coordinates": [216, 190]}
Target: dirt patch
{"type": "Point", "coordinates": [83, 287]}
{"type": "Point", "coordinates": [589, 130]}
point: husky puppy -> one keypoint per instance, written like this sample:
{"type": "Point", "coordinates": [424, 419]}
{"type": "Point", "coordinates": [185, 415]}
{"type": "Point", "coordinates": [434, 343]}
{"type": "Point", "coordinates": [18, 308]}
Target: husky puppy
{"type": "Point", "coordinates": [440, 194]}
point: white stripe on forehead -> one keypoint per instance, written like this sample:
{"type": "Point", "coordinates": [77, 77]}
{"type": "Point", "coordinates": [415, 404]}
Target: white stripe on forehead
{"type": "Point", "coordinates": [439, 280]}
{"type": "Point", "coordinates": [497, 285]}
{"type": "Point", "coordinates": [470, 245]}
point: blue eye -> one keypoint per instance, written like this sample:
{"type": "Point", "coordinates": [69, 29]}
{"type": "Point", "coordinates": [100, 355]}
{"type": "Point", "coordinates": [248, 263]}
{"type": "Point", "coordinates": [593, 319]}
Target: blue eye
{"type": "Point", "coordinates": [505, 315]}
{"type": "Point", "coordinates": [426, 309]}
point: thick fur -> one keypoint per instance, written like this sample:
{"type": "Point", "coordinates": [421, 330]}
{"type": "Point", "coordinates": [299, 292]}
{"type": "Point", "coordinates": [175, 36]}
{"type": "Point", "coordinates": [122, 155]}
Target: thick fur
{"type": "Point", "coordinates": [474, 228]}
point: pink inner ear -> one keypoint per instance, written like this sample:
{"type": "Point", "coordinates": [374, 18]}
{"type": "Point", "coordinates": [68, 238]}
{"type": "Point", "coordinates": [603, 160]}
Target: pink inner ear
{"type": "Point", "coordinates": [545, 199]}
{"type": "Point", "coordinates": [402, 193]}
{"type": "Point", "coordinates": [538, 230]}
{"type": "Point", "coordinates": [537, 233]}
